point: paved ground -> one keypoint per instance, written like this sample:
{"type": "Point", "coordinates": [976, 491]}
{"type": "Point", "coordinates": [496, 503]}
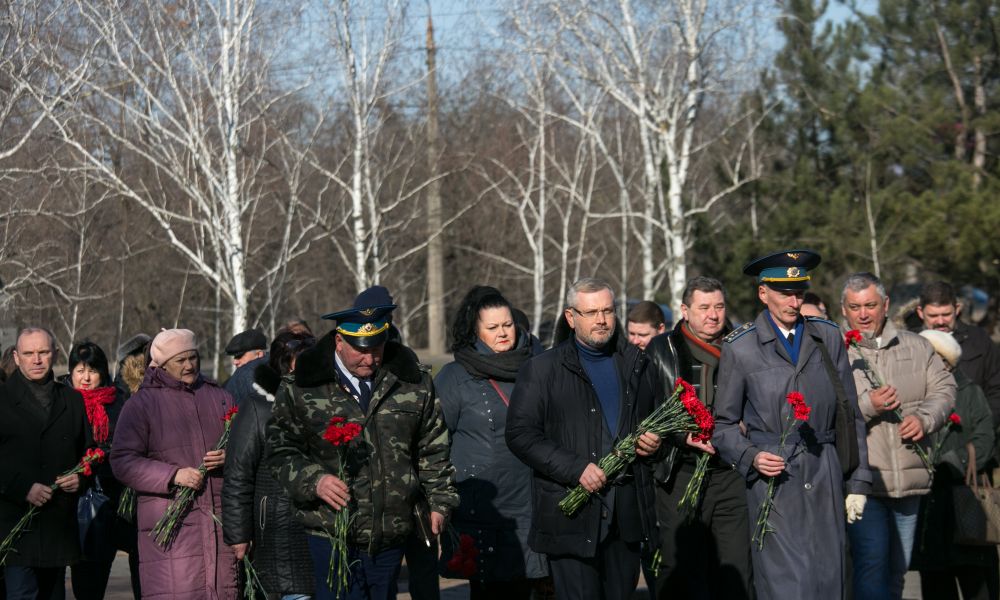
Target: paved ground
{"type": "Point", "coordinates": [118, 586]}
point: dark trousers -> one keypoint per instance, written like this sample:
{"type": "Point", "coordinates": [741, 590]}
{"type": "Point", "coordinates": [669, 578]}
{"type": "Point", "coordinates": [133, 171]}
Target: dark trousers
{"type": "Point", "coordinates": [90, 579]}
{"type": "Point", "coordinates": [500, 590]}
{"type": "Point", "coordinates": [372, 576]}
{"type": "Point", "coordinates": [422, 569]}
{"type": "Point", "coordinates": [976, 582]}
{"type": "Point", "coordinates": [707, 556]}
{"type": "Point", "coordinates": [610, 575]}
{"type": "Point", "coordinates": [34, 583]}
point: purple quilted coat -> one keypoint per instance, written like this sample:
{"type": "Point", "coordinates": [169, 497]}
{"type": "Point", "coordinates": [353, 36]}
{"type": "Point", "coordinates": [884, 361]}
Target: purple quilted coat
{"type": "Point", "coordinates": [167, 425]}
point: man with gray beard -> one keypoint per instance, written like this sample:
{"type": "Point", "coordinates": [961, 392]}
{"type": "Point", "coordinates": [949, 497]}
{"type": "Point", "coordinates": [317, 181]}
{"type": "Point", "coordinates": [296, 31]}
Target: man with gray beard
{"type": "Point", "coordinates": [569, 407]}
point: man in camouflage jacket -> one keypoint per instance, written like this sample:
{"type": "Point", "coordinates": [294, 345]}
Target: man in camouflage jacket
{"type": "Point", "coordinates": [400, 457]}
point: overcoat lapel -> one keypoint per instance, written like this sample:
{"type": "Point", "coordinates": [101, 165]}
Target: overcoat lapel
{"type": "Point", "coordinates": [768, 340]}
{"type": "Point", "coordinates": [806, 349]}
{"type": "Point", "coordinates": [57, 409]}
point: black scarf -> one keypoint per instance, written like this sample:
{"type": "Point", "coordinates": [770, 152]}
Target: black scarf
{"type": "Point", "coordinates": [501, 366]}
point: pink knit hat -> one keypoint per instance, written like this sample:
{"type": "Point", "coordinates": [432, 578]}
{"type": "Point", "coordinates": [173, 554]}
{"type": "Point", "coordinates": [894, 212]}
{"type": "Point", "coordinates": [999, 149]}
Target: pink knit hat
{"type": "Point", "coordinates": [169, 343]}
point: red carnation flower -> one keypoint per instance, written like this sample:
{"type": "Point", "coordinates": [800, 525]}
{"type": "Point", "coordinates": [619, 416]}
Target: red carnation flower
{"type": "Point", "coordinates": [800, 409]}
{"type": "Point", "coordinates": [852, 337]}
{"type": "Point", "coordinates": [955, 419]}
{"type": "Point", "coordinates": [341, 433]}
{"type": "Point", "coordinates": [230, 414]}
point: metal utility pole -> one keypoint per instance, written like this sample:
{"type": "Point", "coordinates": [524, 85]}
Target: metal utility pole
{"type": "Point", "coordinates": [435, 255]}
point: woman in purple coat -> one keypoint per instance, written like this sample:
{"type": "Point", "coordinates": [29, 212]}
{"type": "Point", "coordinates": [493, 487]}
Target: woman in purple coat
{"type": "Point", "coordinates": [166, 430]}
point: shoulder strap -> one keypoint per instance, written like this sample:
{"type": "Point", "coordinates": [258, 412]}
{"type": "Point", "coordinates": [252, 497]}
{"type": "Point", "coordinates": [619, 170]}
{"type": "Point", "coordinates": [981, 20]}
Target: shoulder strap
{"type": "Point", "coordinates": [499, 392]}
{"type": "Point", "coordinates": [847, 437]}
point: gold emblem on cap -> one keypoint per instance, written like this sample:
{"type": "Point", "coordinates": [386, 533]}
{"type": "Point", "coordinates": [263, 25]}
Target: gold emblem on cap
{"type": "Point", "coordinates": [367, 312]}
{"type": "Point", "coordinates": [367, 327]}
{"type": "Point", "coordinates": [793, 255]}
{"type": "Point", "coordinates": [793, 272]}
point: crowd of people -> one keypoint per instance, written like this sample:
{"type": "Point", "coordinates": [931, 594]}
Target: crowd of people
{"type": "Point", "coordinates": [854, 440]}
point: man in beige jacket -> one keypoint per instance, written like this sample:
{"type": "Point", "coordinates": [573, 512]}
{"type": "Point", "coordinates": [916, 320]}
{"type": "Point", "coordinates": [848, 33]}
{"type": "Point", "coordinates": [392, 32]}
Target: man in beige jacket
{"type": "Point", "coordinates": [905, 393]}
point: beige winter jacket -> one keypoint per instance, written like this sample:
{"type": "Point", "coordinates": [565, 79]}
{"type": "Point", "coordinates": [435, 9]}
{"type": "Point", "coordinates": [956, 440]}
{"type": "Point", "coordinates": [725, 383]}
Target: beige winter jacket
{"type": "Point", "coordinates": [925, 389]}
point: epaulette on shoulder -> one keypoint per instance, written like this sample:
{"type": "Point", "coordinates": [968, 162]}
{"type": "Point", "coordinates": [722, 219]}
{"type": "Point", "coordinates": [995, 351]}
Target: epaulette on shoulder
{"type": "Point", "coordinates": [822, 320]}
{"type": "Point", "coordinates": [739, 332]}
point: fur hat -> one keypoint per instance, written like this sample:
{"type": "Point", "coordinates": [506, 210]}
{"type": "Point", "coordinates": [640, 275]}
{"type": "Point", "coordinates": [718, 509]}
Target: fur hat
{"type": "Point", "coordinates": [944, 344]}
{"type": "Point", "coordinates": [169, 343]}
{"type": "Point", "coordinates": [133, 345]}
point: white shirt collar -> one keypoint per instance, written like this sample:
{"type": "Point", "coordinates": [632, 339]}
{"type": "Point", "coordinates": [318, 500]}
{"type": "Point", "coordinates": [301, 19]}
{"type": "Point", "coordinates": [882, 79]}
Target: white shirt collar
{"type": "Point", "coordinates": [355, 381]}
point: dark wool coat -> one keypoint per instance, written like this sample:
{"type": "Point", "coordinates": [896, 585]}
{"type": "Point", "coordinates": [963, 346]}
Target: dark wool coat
{"type": "Point", "coordinates": [240, 384]}
{"type": "Point", "coordinates": [981, 364]}
{"type": "Point", "coordinates": [934, 548]}
{"type": "Point", "coordinates": [804, 556]}
{"type": "Point", "coordinates": [255, 508]}
{"type": "Point", "coordinates": [167, 425]}
{"type": "Point", "coordinates": [32, 452]}
{"type": "Point", "coordinates": [493, 485]}
{"type": "Point", "coordinates": [555, 426]}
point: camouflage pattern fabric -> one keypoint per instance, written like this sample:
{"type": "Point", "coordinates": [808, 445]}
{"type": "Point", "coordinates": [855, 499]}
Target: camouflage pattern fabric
{"type": "Point", "coordinates": [401, 456]}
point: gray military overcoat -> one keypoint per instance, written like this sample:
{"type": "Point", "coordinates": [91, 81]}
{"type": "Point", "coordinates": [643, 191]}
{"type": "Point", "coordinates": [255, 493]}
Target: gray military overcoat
{"type": "Point", "coordinates": [804, 556]}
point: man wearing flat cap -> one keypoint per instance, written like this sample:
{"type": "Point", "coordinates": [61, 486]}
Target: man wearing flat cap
{"type": "Point", "coordinates": [248, 349]}
{"type": "Point", "coordinates": [823, 458]}
{"type": "Point", "coordinates": [357, 373]}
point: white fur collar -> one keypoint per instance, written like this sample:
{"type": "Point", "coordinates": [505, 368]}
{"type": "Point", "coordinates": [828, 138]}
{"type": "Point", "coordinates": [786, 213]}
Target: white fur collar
{"type": "Point", "coordinates": [263, 392]}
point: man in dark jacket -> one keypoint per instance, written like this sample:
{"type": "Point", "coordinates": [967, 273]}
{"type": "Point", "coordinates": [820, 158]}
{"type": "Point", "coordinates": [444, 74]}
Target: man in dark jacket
{"type": "Point", "coordinates": [357, 374]}
{"type": "Point", "coordinates": [939, 309]}
{"type": "Point", "coordinates": [248, 350]}
{"type": "Point", "coordinates": [43, 432]}
{"type": "Point", "coordinates": [568, 408]}
{"type": "Point", "coordinates": [706, 556]}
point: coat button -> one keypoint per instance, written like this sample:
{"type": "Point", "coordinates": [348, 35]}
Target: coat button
{"type": "Point", "coordinates": [808, 486]}
{"type": "Point", "coordinates": [588, 541]}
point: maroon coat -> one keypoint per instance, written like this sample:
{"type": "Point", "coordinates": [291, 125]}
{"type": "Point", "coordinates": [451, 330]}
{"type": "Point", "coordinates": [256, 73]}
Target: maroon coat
{"type": "Point", "coordinates": [167, 425]}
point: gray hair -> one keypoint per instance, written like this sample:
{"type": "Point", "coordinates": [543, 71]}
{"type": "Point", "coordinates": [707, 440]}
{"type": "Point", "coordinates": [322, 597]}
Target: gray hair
{"type": "Point", "coordinates": [587, 285]}
{"type": "Point", "coordinates": [30, 329]}
{"type": "Point", "coordinates": [862, 281]}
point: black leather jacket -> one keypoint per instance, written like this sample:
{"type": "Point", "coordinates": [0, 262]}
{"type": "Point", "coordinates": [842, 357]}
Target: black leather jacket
{"type": "Point", "coordinates": [256, 508]}
{"type": "Point", "coordinates": [671, 358]}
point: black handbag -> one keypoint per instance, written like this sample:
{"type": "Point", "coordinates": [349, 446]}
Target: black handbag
{"type": "Point", "coordinates": [976, 507]}
{"type": "Point", "coordinates": [95, 520]}
{"type": "Point", "coordinates": [847, 435]}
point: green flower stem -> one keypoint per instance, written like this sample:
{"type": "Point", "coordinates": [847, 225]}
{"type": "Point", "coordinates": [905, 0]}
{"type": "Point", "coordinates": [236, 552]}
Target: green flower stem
{"type": "Point", "coordinates": [669, 417]}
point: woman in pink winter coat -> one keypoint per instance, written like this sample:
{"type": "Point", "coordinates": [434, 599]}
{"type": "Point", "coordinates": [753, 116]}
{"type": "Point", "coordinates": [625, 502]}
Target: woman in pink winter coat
{"type": "Point", "coordinates": [166, 430]}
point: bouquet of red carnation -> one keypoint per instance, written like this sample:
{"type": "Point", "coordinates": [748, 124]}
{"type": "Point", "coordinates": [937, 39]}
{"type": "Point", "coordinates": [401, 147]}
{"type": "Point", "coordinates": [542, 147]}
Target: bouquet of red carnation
{"type": "Point", "coordinates": [681, 413]}
{"type": "Point", "coordinates": [340, 433]}
{"type": "Point", "coordinates": [463, 557]}
{"type": "Point", "coordinates": [706, 427]}
{"type": "Point", "coordinates": [800, 412]}
{"type": "Point", "coordinates": [165, 529]}
{"type": "Point", "coordinates": [93, 455]}
{"type": "Point", "coordinates": [852, 339]}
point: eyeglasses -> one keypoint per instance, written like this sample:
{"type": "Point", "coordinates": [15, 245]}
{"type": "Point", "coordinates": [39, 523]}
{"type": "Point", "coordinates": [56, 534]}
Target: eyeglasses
{"type": "Point", "coordinates": [607, 313]}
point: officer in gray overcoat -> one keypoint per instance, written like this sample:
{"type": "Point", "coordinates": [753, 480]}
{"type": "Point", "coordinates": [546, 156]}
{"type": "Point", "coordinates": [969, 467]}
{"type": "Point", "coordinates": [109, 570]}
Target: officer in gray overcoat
{"type": "Point", "coordinates": [803, 553]}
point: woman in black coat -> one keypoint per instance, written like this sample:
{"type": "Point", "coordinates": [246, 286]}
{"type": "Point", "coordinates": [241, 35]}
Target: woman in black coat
{"type": "Point", "coordinates": [88, 374]}
{"type": "Point", "coordinates": [255, 508]}
{"type": "Point", "coordinates": [494, 486]}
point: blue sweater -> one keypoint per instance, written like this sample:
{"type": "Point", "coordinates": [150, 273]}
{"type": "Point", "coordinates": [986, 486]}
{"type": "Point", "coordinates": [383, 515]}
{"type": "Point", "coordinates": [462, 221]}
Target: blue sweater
{"type": "Point", "coordinates": [600, 368]}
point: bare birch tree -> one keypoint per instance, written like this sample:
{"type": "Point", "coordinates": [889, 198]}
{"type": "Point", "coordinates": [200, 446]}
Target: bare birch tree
{"type": "Point", "coordinates": [662, 62]}
{"type": "Point", "coordinates": [171, 114]}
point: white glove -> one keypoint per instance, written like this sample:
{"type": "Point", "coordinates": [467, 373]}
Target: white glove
{"type": "Point", "coordinates": [855, 505]}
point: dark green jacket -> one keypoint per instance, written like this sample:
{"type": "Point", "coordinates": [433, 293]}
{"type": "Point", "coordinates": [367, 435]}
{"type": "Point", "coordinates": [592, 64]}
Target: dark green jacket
{"type": "Point", "coordinates": [401, 456]}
